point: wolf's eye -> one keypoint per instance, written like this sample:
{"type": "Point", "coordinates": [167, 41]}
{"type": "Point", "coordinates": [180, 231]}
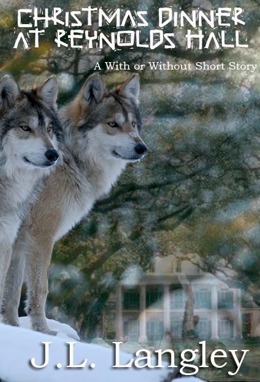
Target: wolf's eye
{"type": "Point", "coordinates": [112, 124]}
{"type": "Point", "coordinates": [134, 124]}
{"type": "Point", "coordinates": [49, 128]}
{"type": "Point", "coordinates": [25, 128]}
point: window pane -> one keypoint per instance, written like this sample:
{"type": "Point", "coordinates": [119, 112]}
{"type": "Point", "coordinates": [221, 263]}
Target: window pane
{"type": "Point", "coordinates": [132, 299]}
{"type": "Point", "coordinates": [225, 299]}
{"type": "Point", "coordinates": [131, 330]}
{"type": "Point", "coordinates": [225, 328]}
{"type": "Point", "coordinates": [202, 299]}
{"type": "Point", "coordinates": [154, 295]}
{"type": "Point", "coordinates": [176, 327]}
{"type": "Point", "coordinates": [154, 330]}
{"type": "Point", "coordinates": [178, 299]}
{"type": "Point", "coordinates": [204, 328]}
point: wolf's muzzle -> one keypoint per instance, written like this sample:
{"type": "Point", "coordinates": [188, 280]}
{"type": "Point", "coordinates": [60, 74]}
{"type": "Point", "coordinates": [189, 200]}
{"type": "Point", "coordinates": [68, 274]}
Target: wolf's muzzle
{"type": "Point", "coordinates": [141, 149]}
{"type": "Point", "coordinates": [52, 155]}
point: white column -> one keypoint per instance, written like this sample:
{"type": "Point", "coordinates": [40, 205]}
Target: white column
{"type": "Point", "coordinates": [237, 313]}
{"type": "Point", "coordinates": [166, 309]}
{"type": "Point", "coordinates": [119, 314]}
{"type": "Point", "coordinates": [214, 312]}
{"type": "Point", "coordinates": [142, 316]}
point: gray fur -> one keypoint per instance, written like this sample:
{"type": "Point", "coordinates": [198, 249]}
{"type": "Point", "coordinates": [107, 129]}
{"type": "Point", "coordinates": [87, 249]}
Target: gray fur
{"type": "Point", "coordinates": [95, 155]}
{"type": "Point", "coordinates": [22, 166]}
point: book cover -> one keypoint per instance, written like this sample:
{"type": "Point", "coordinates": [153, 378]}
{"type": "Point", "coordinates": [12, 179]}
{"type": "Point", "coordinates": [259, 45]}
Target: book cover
{"type": "Point", "coordinates": [144, 223]}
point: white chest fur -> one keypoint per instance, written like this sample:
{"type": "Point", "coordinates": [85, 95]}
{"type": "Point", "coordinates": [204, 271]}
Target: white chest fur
{"type": "Point", "coordinates": [74, 213]}
{"type": "Point", "coordinates": [90, 187]}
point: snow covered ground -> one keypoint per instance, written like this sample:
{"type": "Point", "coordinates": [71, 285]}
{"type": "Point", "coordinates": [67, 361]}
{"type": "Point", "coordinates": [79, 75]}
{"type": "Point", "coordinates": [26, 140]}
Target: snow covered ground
{"type": "Point", "coordinates": [19, 345]}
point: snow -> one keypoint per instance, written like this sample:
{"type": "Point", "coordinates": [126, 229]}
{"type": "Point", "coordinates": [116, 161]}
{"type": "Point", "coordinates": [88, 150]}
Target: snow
{"type": "Point", "coordinates": [189, 379]}
{"type": "Point", "coordinates": [63, 330]}
{"type": "Point", "coordinates": [19, 345]}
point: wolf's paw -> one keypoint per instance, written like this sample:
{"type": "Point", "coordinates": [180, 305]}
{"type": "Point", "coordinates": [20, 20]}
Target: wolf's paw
{"type": "Point", "coordinates": [9, 320]}
{"type": "Point", "coordinates": [46, 331]}
{"type": "Point", "coordinates": [40, 325]}
{"type": "Point", "coordinates": [37, 327]}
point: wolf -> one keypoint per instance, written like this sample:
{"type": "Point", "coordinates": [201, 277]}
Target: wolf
{"type": "Point", "coordinates": [102, 134]}
{"type": "Point", "coordinates": [29, 135]}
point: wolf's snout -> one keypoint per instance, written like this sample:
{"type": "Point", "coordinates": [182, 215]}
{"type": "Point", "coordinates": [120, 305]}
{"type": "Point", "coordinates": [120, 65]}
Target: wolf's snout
{"type": "Point", "coordinates": [141, 149]}
{"type": "Point", "coordinates": [51, 155]}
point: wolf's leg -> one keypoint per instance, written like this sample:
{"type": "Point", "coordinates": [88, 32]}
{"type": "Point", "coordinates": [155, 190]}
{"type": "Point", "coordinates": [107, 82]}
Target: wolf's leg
{"type": "Point", "coordinates": [7, 237]}
{"type": "Point", "coordinates": [37, 264]}
{"type": "Point", "coordinates": [5, 258]}
{"type": "Point", "coordinates": [13, 285]}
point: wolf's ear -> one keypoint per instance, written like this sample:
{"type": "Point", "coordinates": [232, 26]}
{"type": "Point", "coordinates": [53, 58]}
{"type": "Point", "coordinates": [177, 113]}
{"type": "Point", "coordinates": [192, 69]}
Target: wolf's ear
{"type": "Point", "coordinates": [48, 92]}
{"type": "Point", "coordinates": [131, 88]}
{"type": "Point", "coordinates": [9, 91]}
{"type": "Point", "coordinates": [93, 90]}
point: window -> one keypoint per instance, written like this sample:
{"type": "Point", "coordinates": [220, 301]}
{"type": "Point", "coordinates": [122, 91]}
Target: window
{"type": "Point", "coordinates": [178, 299]}
{"type": "Point", "coordinates": [202, 299]}
{"type": "Point", "coordinates": [225, 299]}
{"type": "Point", "coordinates": [131, 330]}
{"type": "Point", "coordinates": [176, 327]}
{"type": "Point", "coordinates": [203, 328]}
{"type": "Point", "coordinates": [154, 295]}
{"type": "Point", "coordinates": [225, 328]}
{"type": "Point", "coordinates": [131, 299]}
{"type": "Point", "coordinates": [155, 330]}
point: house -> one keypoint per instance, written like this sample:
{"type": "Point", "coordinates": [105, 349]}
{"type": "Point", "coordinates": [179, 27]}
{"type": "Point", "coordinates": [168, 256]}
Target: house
{"type": "Point", "coordinates": [148, 310]}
